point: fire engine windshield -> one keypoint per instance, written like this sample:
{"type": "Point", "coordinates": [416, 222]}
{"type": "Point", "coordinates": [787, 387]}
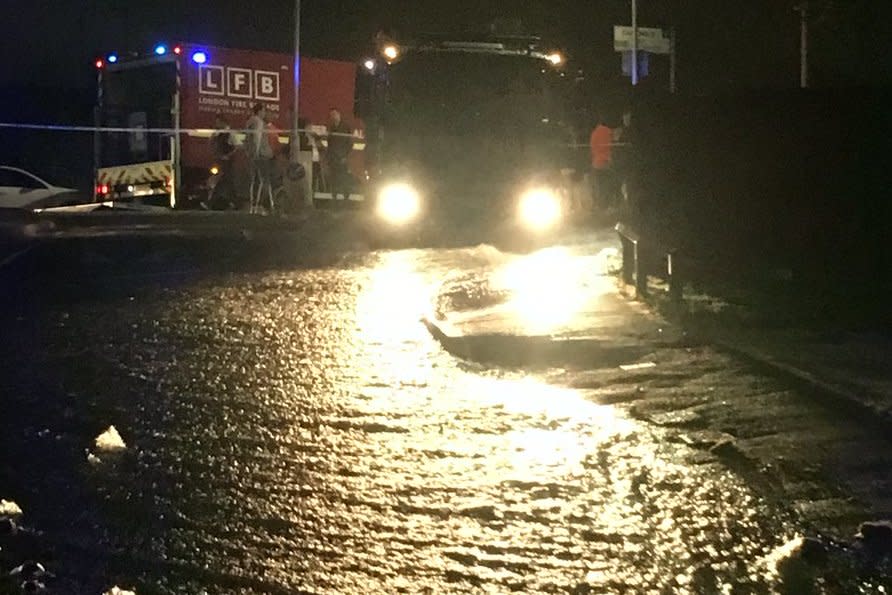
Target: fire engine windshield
{"type": "Point", "coordinates": [460, 89]}
{"type": "Point", "coordinates": [467, 113]}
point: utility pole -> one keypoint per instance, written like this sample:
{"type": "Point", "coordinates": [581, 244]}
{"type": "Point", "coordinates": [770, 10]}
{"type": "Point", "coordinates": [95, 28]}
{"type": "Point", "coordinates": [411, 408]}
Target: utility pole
{"type": "Point", "coordinates": [672, 64]}
{"type": "Point", "coordinates": [634, 42]}
{"type": "Point", "coordinates": [802, 9]}
{"type": "Point", "coordinates": [295, 126]}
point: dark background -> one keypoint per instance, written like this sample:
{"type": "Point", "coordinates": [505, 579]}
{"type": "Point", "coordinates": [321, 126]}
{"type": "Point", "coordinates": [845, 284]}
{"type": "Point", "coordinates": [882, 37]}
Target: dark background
{"type": "Point", "coordinates": [722, 44]}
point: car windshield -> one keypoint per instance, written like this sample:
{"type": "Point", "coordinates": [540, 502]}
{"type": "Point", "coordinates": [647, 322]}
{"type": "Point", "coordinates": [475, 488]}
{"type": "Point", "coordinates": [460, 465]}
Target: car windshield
{"type": "Point", "coordinates": [10, 178]}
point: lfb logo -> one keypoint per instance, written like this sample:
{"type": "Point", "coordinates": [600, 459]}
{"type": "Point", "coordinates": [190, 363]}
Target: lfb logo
{"type": "Point", "coordinates": [238, 83]}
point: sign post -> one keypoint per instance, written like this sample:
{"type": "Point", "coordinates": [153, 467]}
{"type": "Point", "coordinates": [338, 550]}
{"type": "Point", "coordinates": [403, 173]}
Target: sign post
{"type": "Point", "coordinates": [672, 60]}
{"type": "Point", "coordinates": [802, 9]}
{"type": "Point", "coordinates": [634, 42]}
{"type": "Point", "coordinates": [295, 125]}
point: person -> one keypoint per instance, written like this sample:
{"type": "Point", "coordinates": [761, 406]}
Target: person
{"type": "Point", "coordinates": [315, 134]}
{"type": "Point", "coordinates": [601, 144]}
{"type": "Point", "coordinates": [222, 196]}
{"type": "Point", "coordinates": [308, 145]}
{"type": "Point", "coordinates": [623, 159]}
{"type": "Point", "coordinates": [260, 154]}
{"type": "Point", "coordinates": [340, 143]}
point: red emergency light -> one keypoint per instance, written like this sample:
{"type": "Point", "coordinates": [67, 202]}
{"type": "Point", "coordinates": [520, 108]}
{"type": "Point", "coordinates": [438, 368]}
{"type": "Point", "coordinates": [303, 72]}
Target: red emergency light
{"type": "Point", "coordinates": [99, 63]}
{"type": "Point", "coordinates": [177, 50]}
{"type": "Point", "coordinates": [102, 189]}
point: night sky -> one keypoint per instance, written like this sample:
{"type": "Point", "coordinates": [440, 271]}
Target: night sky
{"type": "Point", "coordinates": [722, 43]}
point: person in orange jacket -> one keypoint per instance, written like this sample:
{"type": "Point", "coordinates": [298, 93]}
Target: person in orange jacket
{"type": "Point", "coordinates": [601, 144]}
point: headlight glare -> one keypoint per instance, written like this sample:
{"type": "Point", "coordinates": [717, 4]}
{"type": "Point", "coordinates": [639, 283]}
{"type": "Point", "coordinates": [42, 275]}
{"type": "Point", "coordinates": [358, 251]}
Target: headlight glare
{"type": "Point", "coordinates": [398, 203]}
{"type": "Point", "coordinates": [540, 208]}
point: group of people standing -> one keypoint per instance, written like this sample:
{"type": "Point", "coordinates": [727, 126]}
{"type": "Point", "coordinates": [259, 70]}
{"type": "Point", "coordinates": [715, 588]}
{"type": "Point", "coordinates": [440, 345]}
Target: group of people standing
{"type": "Point", "coordinates": [262, 147]}
{"type": "Point", "coordinates": [611, 161]}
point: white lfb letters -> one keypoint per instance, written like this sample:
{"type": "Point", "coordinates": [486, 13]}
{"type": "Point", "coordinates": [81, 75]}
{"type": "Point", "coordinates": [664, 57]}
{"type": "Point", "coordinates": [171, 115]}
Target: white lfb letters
{"type": "Point", "coordinates": [238, 82]}
{"type": "Point", "coordinates": [210, 80]}
{"type": "Point", "coordinates": [241, 83]}
{"type": "Point", "coordinates": [266, 85]}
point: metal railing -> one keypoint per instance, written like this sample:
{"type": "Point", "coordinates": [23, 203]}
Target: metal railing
{"type": "Point", "coordinates": [635, 264]}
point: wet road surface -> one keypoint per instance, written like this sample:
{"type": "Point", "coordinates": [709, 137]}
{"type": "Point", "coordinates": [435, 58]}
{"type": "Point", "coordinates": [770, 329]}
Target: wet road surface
{"type": "Point", "coordinates": [302, 431]}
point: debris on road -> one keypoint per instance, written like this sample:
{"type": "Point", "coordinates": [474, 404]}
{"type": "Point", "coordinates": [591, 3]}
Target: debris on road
{"type": "Point", "coordinates": [33, 586]}
{"type": "Point", "coordinates": [634, 367]}
{"type": "Point", "coordinates": [110, 441]}
{"type": "Point", "coordinates": [9, 508]}
{"type": "Point", "coordinates": [876, 535]}
{"type": "Point", "coordinates": [8, 526]}
{"type": "Point", "coordinates": [29, 570]}
{"type": "Point", "coordinates": [683, 418]}
{"type": "Point", "coordinates": [116, 590]}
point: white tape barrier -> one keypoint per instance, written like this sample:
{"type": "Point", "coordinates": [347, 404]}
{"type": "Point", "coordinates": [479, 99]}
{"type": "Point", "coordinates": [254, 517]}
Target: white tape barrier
{"type": "Point", "coordinates": [197, 132]}
{"type": "Point", "coordinates": [315, 132]}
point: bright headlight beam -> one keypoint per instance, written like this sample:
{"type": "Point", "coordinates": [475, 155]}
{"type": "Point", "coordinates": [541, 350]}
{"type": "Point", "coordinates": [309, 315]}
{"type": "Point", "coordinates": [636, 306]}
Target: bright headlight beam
{"type": "Point", "coordinates": [540, 209]}
{"type": "Point", "coordinates": [398, 203]}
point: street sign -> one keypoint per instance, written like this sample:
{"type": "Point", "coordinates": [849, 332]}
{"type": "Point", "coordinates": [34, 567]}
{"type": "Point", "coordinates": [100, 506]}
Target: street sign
{"type": "Point", "coordinates": [655, 41]}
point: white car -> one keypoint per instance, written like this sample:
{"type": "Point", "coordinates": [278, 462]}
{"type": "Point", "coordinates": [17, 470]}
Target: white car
{"type": "Point", "coordinates": [20, 189]}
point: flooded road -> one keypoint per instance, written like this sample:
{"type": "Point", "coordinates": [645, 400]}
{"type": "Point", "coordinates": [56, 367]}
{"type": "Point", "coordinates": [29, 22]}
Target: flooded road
{"type": "Point", "coordinates": [303, 432]}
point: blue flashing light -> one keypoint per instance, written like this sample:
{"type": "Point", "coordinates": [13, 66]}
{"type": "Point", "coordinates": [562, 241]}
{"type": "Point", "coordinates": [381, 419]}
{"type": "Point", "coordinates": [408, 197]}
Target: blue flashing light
{"type": "Point", "coordinates": [112, 58]}
{"type": "Point", "coordinates": [199, 57]}
{"type": "Point", "coordinates": [160, 49]}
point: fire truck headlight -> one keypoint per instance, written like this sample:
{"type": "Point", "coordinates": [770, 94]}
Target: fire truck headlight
{"type": "Point", "coordinates": [539, 209]}
{"type": "Point", "coordinates": [398, 203]}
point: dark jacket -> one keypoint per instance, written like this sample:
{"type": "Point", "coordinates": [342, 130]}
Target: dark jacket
{"type": "Point", "coordinates": [339, 146]}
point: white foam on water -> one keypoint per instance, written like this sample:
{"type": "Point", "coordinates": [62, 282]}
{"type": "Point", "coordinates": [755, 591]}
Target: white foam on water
{"type": "Point", "coordinates": [487, 254]}
{"type": "Point", "coordinates": [110, 441]}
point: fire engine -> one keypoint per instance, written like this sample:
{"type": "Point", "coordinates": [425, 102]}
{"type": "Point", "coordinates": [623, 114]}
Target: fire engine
{"type": "Point", "coordinates": [155, 115]}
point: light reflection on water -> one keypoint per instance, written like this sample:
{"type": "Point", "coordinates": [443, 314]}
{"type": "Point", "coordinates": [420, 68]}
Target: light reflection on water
{"type": "Point", "coordinates": [550, 287]}
{"type": "Point", "coordinates": [514, 450]}
{"type": "Point", "coordinates": [394, 296]}
{"type": "Point", "coordinates": [314, 436]}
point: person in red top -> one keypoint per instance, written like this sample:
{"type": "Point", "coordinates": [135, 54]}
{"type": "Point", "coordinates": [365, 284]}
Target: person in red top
{"type": "Point", "coordinates": [601, 139]}
{"type": "Point", "coordinates": [602, 172]}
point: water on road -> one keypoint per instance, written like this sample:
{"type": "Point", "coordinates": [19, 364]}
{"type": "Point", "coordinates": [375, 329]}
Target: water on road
{"type": "Point", "coordinates": [302, 431]}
